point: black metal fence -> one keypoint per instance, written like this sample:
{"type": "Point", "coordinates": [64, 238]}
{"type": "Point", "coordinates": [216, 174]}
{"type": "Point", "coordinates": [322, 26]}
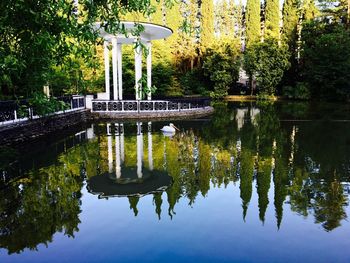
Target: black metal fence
{"type": "Point", "coordinates": [13, 111]}
{"type": "Point", "coordinates": [170, 104]}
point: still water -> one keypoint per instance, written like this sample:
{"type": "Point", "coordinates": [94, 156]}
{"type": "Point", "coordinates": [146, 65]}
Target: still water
{"type": "Point", "coordinates": [267, 183]}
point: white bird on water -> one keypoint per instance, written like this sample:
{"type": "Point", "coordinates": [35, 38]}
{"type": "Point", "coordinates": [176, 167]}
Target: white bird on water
{"type": "Point", "coordinates": [169, 129]}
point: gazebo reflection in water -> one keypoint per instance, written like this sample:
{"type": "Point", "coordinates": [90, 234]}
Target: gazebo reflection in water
{"type": "Point", "coordinates": [126, 181]}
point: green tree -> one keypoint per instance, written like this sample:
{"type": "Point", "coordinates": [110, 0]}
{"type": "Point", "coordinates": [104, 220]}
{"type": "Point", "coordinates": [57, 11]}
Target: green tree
{"type": "Point", "coordinates": [221, 64]}
{"type": "Point", "coordinates": [237, 18]}
{"type": "Point", "coordinates": [290, 21]}
{"type": "Point", "coordinates": [51, 32]}
{"type": "Point", "coordinates": [267, 62]}
{"type": "Point", "coordinates": [253, 27]}
{"type": "Point", "coordinates": [36, 41]}
{"type": "Point", "coordinates": [224, 19]}
{"type": "Point", "coordinates": [309, 10]}
{"type": "Point", "coordinates": [185, 50]}
{"type": "Point", "coordinates": [272, 19]}
{"type": "Point", "coordinates": [207, 23]}
{"type": "Point", "coordinates": [326, 60]}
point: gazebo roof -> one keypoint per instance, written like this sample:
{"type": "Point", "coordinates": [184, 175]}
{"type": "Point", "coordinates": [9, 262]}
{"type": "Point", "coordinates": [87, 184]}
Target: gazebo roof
{"type": "Point", "coordinates": [151, 32]}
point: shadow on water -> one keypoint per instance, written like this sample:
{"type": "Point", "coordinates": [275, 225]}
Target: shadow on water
{"type": "Point", "coordinates": [300, 151]}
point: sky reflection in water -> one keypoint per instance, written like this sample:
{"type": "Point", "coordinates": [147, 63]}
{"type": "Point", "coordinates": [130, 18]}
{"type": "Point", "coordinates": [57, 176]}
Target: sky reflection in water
{"type": "Point", "coordinates": [248, 184]}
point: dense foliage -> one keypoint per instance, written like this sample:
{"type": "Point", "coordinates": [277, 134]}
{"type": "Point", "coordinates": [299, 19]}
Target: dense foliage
{"type": "Point", "coordinates": [290, 21]}
{"type": "Point", "coordinates": [34, 36]}
{"type": "Point", "coordinates": [54, 43]}
{"type": "Point", "coordinates": [267, 61]}
{"type": "Point", "coordinates": [221, 64]}
{"type": "Point", "coordinates": [41, 39]}
{"type": "Point", "coordinates": [272, 19]}
{"type": "Point", "coordinates": [326, 60]}
{"type": "Point", "coordinates": [252, 21]}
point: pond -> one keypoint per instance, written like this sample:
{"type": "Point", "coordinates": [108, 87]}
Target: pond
{"type": "Point", "coordinates": [265, 183]}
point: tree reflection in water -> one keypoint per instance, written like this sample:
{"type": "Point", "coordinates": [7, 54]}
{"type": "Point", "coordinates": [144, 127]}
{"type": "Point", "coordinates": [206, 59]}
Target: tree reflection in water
{"type": "Point", "coordinates": [44, 202]}
{"type": "Point", "coordinates": [306, 164]}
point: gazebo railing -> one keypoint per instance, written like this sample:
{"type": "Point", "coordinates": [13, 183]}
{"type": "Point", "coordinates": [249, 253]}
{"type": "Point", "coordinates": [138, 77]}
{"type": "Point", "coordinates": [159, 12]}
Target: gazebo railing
{"type": "Point", "coordinates": [149, 105]}
{"type": "Point", "coordinates": [10, 111]}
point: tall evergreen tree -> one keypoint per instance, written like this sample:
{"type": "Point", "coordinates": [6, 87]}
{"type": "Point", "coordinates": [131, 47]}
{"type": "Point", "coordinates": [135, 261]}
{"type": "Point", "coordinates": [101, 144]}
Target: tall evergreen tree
{"type": "Point", "coordinates": [185, 47]}
{"type": "Point", "coordinates": [291, 36]}
{"type": "Point", "coordinates": [310, 11]}
{"type": "Point", "coordinates": [220, 9]}
{"type": "Point", "coordinates": [231, 11]}
{"type": "Point", "coordinates": [252, 22]}
{"type": "Point", "coordinates": [272, 19]}
{"type": "Point", "coordinates": [290, 18]}
{"type": "Point", "coordinates": [238, 19]}
{"type": "Point", "coordinates": [207, 22]}
{"type": "Point", "coordinates": [226, 19]}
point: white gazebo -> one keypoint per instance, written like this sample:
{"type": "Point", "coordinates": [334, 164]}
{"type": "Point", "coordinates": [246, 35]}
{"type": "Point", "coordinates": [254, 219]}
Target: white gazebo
{"type": "Point", "coordinates": [106, 106]}
{"type": "Point", "coordinates": [150, 32]}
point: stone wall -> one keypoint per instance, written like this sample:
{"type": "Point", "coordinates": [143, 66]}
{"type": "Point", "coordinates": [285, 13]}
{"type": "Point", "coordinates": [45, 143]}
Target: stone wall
{"type": "Point", "coordinates": [35, 130]}
{"type": "Point", "coordinates": [15, 134]}
{"type": "Point", "coordinates": [169, 115]}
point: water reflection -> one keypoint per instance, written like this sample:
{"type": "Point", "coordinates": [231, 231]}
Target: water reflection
{"type": "Point", "coordinates": [46, 201]}
{"type": "Point", "coordinates": [128, 180]}
{"type": "Point", "coordinates": [290, 162]}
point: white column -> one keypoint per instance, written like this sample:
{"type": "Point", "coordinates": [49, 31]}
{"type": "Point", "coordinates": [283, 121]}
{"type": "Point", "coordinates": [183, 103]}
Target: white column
{"type": "Point", "coordinates": [106, 57]}
{"type": "Point", "coordinates": [120, 70]}
{"type": "Point", "coordinates": [149, 70]}
{"type": "Point", "coordinates": [150, 148]}
{"type": "Point", "coordinates": [117, 152]}
{"type": "Point", "coordinates": [139, 141]}
{"type": "Point", "coordinates": [88, 101]}
{"type": "Point", "coordinates": [115, 68]}
{"type": "Point", "coordinates": [138, 72]}
{"type": "Point", "coordinates": [110, 149]}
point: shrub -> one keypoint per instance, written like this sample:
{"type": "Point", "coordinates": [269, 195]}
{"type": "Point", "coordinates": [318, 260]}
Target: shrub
{"type": "Point", "coordinates": [325, 63]}
{"type": "Point", "coordinates": [194, 82]}
{"type": "Point", "coordinates": [300, 91]}
{"type": "Point", "coordinates": [42, 105]}
{"type": "Point", "coordinates": [221, 65]}
{"type": "Point", "coordinates": [267, 62]}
